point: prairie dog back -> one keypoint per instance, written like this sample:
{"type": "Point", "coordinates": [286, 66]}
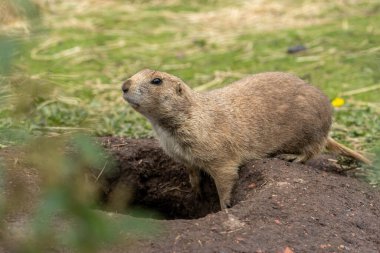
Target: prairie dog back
{"type": "Point", "coordinates": [273, 113]}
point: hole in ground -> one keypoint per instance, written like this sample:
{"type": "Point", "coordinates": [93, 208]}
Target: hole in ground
{"type": "Point", "coordinates": [165, 195]}
{"type": "Point", "coordinates": [154, 182]}
{"type": "Point", "coordinates": [173, 197]}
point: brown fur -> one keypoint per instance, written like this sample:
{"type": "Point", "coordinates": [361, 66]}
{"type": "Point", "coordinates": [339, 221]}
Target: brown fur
{"type": "Point", "coordinates": [338, 148]}
{"type": "Point", "coordinates": [263, 115]}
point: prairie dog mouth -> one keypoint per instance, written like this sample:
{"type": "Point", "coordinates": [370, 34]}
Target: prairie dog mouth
{"type": "Point", "coordinates": [132, 102]}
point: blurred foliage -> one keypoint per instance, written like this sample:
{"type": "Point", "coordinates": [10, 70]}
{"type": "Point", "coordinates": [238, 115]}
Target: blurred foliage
{"type": "Point", "coordinates": [62, 206]}
{"type": "Point", "coordinates": [7, 47]}
{"type": "Point", "coordinates": [357, 124]}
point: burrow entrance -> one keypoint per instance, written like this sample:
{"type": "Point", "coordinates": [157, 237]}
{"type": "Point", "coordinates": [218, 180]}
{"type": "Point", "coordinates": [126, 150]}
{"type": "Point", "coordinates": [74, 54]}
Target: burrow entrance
{"type": "Point", "coordinates": [165, 195]}
{"type": "Point", "coordinates": [144, 178]}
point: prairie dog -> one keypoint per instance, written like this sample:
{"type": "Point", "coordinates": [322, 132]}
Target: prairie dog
{"type": "Point", "coordinates": [263, 115]}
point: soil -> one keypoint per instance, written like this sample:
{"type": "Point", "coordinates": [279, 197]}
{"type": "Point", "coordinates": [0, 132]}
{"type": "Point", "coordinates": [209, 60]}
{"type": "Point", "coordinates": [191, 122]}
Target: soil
{"type": "Point", "coordinates": [277, 206]}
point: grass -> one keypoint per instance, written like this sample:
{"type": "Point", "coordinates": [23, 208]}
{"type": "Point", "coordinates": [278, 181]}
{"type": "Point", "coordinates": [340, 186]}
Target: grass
{"type": "Point", "coordinates": [87, 49]}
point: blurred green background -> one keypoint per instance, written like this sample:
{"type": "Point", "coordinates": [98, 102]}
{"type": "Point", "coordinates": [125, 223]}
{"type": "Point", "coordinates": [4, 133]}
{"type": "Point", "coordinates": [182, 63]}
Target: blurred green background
{"type": "Point", "coordinates": [70, 69]}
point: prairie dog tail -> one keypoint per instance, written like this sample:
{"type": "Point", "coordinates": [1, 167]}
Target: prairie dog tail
{"type": "Point", "coordinates": [338, 148]}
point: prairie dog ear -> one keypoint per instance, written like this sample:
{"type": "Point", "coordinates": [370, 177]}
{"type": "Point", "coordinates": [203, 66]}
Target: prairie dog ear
{"type": "Point", "coordinates": [179, 89]}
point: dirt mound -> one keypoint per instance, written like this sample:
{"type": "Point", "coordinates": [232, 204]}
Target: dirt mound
{"type": "Point", "coordinates": [276, 205]}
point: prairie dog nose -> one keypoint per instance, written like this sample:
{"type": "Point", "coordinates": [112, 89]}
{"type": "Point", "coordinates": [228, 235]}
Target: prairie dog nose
{"type": "Point", "coordinates": [126, 85]}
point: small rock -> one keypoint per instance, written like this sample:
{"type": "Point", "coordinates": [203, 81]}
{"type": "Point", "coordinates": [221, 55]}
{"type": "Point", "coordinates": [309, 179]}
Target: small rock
{"type": "Point", "coordinates": [296, 49]}
{"type": "Point", "coordinates": [288, 250]}
{"type": "Point", "coordinates": [233, 223]}
{"type": "Point", "coordinates": [283, 184]}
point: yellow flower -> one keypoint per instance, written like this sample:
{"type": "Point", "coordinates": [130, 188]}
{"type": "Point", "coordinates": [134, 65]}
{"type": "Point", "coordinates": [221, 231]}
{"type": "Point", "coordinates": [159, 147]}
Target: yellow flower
{"type": "Point", "coordinates": [338, 102]}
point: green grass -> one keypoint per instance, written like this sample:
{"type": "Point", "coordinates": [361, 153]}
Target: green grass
{"type": "Point", "coordinates": [85, 61]}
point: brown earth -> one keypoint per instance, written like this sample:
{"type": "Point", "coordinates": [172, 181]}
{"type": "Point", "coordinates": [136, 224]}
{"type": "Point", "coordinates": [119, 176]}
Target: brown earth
{"type": "Point", "coordinates": [277, 206]}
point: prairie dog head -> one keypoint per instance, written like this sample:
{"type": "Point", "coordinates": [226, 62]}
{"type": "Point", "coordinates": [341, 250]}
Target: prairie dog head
{"type": "Point", "coordinates": [156, 94]}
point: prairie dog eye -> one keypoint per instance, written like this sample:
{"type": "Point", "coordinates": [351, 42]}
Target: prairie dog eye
{"type": "Point", "coordinates": [156, 81]}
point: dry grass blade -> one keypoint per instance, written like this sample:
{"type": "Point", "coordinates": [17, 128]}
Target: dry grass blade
{"type": "Point", "coordinates": [361, 90]}
{"type": "Point", "coordinates": [11, 21]}
{"type": "Point", "coordinates": [254, 15]}
{"type": "Point", "coordinates": [101, 172]}
{"type": "Point", "coordinates": [219, 77]}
